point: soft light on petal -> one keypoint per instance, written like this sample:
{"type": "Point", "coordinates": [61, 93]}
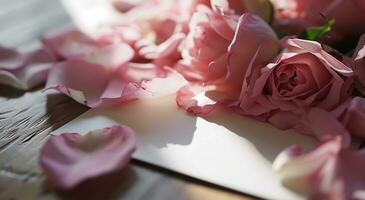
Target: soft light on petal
{"type": "Point", "coordinates": [195, 99]}
{"type": "Point", "coordinates": [329, 171]}
{"type": "Point", "coordinates": [70, 158]}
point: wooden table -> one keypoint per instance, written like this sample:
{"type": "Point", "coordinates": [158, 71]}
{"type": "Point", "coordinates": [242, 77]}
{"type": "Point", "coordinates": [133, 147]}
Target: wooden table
{"type": "Point", "coordinates": [27, 118]}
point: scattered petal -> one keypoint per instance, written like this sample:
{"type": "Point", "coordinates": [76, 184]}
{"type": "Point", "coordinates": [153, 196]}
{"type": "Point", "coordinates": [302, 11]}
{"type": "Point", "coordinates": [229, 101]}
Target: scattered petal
{"type": "Point", "coordinates": [70, 158]}
{"type": "Point", "coordinates": [25, 70]}
{"type": "Point", "coordinates": [196, 99]}
{"type": "Point", "coordinates": [102, 85]}
{"type": "Point", "coordinates": [70, 43]}
{"type": "Point", "coordinates": [327, 172]}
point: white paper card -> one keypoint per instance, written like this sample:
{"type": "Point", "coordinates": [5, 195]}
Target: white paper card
{"type": "Point", "coordinates": [225, 149]}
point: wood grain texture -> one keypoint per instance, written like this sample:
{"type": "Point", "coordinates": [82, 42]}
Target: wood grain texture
{"type": "Point", "coordinates": [27, 118]}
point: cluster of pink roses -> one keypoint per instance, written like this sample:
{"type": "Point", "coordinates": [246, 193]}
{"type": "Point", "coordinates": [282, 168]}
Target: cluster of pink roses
{"type": "Point", "coordinates": [230, 53]}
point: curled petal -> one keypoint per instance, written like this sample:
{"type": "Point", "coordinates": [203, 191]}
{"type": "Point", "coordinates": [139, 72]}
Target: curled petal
{"type": "Point", "coordinates": [70, 158]}
{"type": "Point", "coordinates": [165, 49]}
{"type": "Point", "coordinates": [69, 78]}
{"type": "Point", "coordinates": [251, 33]}
{"type": "Point", "coordinates": [327, 172]}
{"type": "Point", "coordinates": [25, 70]}
{"type": "Point", "coordinates": [302, 171]}
{"type": "Point", "coordinates": [101, 86]}
{"type": "Point", "coordinates": [196, 99]}
{"type": "Point", "coordinates": [316, 49]}
{"type": "Point", "coordinates": [167, 85]}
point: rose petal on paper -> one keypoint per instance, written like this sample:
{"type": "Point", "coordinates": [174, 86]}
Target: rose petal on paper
{"type": "Point", "coordinates": [195, 100]}
{"type": "Point", "coordinates": [158, 87]}
{"type": "Point", "coordinates": [101, 87]}
{"type": "Point", "coordinates": [31, 69]}
{"type": "Point", "coordinates": [82, 81]}
{"type": "Point", "coordinates": [105, 85]}
{"type": "Point", "coordinates": [327, 172]}
{"type": "Point", "coordinates": [302, 171]}
{"type": "Point", "coordinates": [70, 158]}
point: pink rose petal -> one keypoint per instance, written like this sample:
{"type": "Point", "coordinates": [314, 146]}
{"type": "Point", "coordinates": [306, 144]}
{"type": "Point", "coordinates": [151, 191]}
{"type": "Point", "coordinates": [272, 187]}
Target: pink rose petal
{"type": "Point", "coordinates": [101, 83]}
{"type": "Point", "coordinates": [199, 100]}
{"type": "Point", "coordinates": [326, 172]}
{"type": "Point", "coordinates": [69, 159]}
{"type": "Point", "coordinates": [316, 49]}
{"type": "Point", "coordinates": [70, 42]}
{"type": "Point", "coordinates": [323, 125]}
{"type": "Point", "coordinates": [251, 33]}
{"type": "Point", "coordinates": [354, 117]}
{"type": "Point", "coordinates": [25, 70]}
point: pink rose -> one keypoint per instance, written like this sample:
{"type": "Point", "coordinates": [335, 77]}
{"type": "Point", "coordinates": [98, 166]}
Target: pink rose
{"type": "Point", "coordinates": [303, 76]}
{"type": "Point", "coordinates": [236, 42]}
{"type": "Point", "coordinates": [199, 53]}
{"type": "Point", "coordinates": [293, 16]}
{"type": "Point", "coordinates": [239, 44]}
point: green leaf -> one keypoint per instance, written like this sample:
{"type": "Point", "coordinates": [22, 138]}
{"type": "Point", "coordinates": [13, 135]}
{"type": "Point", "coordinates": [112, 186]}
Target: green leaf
{"type": "Point", "coordinates": [263, 8]}
{"type": "Point", "coordinates": [315, 33]}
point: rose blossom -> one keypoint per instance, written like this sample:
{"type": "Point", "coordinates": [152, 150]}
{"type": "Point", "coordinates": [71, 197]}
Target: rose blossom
{"type": "Point", "coordinates": [239, 43]}
{"type": "Point", "coordinates": [199, 53]}
{"type": "Point", "coordinates": [293, 16]}
{"type": "Point", "coordinates": [236, 41]}
{"type": "Point", "coordinates": [303, 76]}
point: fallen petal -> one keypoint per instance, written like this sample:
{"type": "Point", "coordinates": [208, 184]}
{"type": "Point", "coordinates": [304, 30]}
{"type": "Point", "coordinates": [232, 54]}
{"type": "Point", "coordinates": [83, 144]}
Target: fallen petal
{"type": "Point", "coordinates": [195, 100]}
{"type": "Point", "coordinates": [70, 43]}
{"type": "Point", "coordinates": [70, 158]}
{"type": "Point", "coordinates": [329, 171]}
{"type": "Point", "coordinates": [25, 70]}
{"type": "Point", "coordinates": [82, 81]}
